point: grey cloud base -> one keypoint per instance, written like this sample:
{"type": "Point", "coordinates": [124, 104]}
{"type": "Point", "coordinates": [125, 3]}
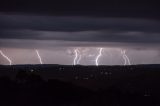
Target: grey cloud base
{"type": "Point", "coordinates": [47, 31]}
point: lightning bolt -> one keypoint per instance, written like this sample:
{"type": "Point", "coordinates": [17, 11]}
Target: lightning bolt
{"type": "Point", "coordinates": [39, 57]}
{"type": "Point", "coordinates": [6, 57]}
{"type": "Point", "coordinates": [98, 56]}
{"type": "Point", "coordinates": [76, 56]}
{"type": "Point", "coordinates": [125, 61]}
{"type": "Point", "coordinates": [125, 57]}
{"type": "Point", "coordinates": [129, 63]}
{"type": "Point", "coordinates": [79, 57]}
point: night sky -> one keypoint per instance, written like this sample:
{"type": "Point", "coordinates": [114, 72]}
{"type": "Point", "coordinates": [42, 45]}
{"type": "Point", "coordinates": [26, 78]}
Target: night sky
{"type": "Point", "coordinates": [57, 28]}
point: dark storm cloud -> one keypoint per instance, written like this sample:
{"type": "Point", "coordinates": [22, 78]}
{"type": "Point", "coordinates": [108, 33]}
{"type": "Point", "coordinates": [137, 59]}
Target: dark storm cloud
{"type": "Point", "coordinates": [92, 30]}
{"type": "Point", "coordinates": [52, 23]}
{"type": "Point", "coordinates": [86, 36]}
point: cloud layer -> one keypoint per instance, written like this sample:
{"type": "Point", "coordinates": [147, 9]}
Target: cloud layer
{"type": "Point", "coordinates": [26, 30]}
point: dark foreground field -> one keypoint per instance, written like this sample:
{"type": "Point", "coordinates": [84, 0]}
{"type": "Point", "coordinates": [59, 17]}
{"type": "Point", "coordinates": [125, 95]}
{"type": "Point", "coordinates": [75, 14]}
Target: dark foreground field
{"type": "Point", "coordinates": [59, 85]}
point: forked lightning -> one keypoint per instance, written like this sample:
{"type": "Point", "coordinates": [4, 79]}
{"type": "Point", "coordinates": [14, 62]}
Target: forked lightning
{"type": "Point", "coordinates": [125, 57]}
{"type": "Point", "coordinates": [39, 57]}
{"type": "Point", "coordinates": [6, 57]}
{"type": "Point", "coordinates": [76, 56]}
{"type": "Point", "coordinates": [98, 56]}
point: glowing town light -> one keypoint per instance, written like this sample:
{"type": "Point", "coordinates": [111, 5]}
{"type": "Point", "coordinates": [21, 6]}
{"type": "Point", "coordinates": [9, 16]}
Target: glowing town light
{"type": "Point", "coordinates": [6, 57]}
